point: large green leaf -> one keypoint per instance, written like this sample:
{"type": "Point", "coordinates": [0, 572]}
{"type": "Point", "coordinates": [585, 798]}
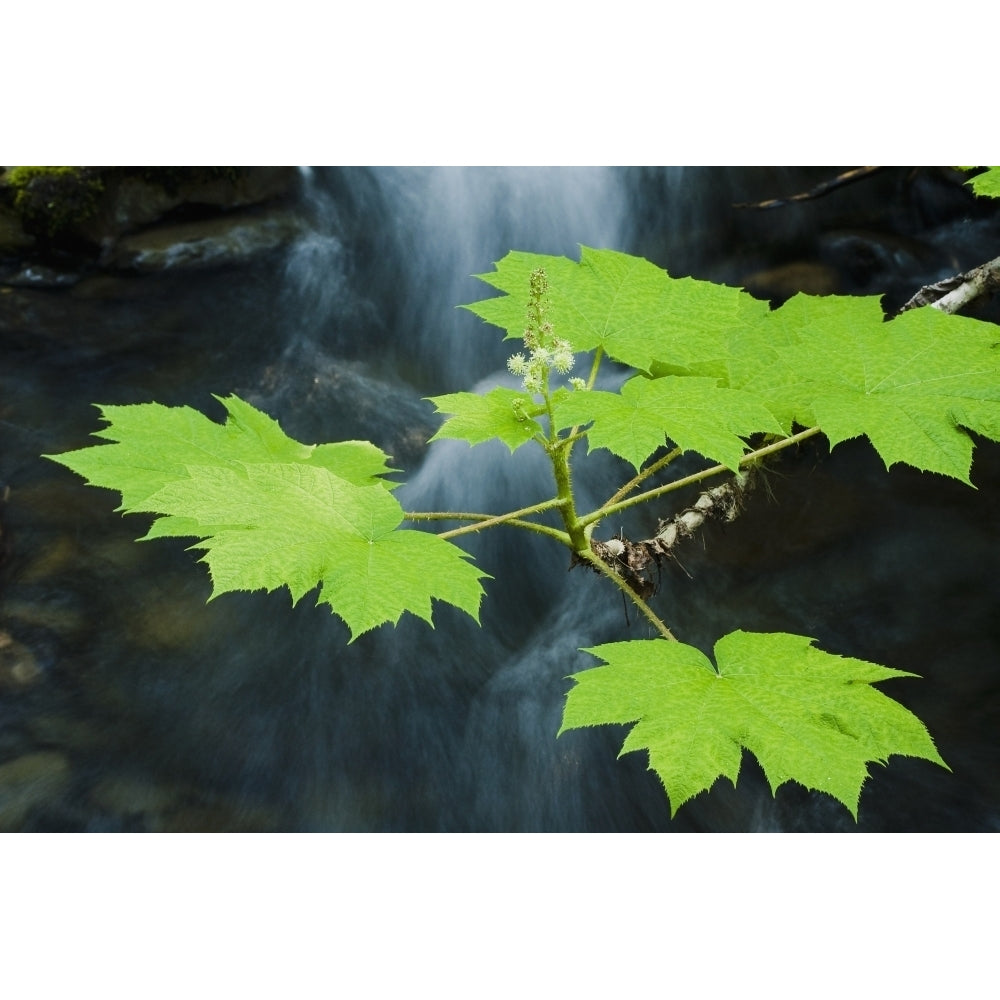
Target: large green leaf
{"type": "Point", "coordinates": [695, 413]}
{"type": "Point", "coordinates": [629, 307]}
{"type": "Point", "coordinates": [476, 418]}
{"type": "Point", "coordinates": [273, 525]}
{"type": "Point", "coordinates": [269, 512]}
{"type": "Point", "coordinates": [912, 385]}
{"type": "Point", "coordinates": [154, 444]}
{"type": "Point", "coordinates": [986, 184]}
{"type": "Point", "coordinates": [808, 716]}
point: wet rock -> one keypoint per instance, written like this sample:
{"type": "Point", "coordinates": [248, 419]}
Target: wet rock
{"type": "Point", "coordinates": [870, 260]}
{"type": "Point", "coordinates": [209, 243]}
{"type": "Point", "coordinates": [4, 495]}
{"type": "Point", "coordinates": [138, 199]}
{"type": "Point", "coordinates": [176, 621]}
{"type": "Point", "coordinates": [40, 276]}
{"type": "Point", "coordinates": [13, 238]}
{"type": "Point", "coordinates": [60, 225]}
{"type": "Point", "coordinates": [62, 553]}
{"type": "Point", "coordinates": [19, 668]}
{"type": "Point", "coordinates": [30, 782]}
{"type": "Point", "coordinates": [72, 207]}
{"type": "Point", "coordinates": [144, 803]}
{"type": "Point", "coordinates": [55, 611]}
{"type": "Point", "coordinates": [66, 730]}
{"type": "Point", "coordinates": [350, 397]}
{"type": "Point", "coordinates": [222, 818]}
{"type": "Point", "coordinates": [111, 287]}
{"type": "Point", "coordinates": [125, 795]}
{"type": "Point", "coordinates": [784, 281]}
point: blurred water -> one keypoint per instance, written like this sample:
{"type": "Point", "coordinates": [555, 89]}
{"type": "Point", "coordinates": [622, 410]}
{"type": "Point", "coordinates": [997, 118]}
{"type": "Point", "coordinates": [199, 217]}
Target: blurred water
{"type": "Point", "coordinates": [153, 710]}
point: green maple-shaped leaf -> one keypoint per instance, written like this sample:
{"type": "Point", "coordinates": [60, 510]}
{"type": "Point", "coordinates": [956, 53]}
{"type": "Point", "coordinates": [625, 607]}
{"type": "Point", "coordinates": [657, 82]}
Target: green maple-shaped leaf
{"type": "Point", "coordinates": [270, 512]}
{"type": "Point", "coordinates": [630, 308]}
{"type": "Point", "coordinates": [478, 418]}
{"type": "Point", "coordinates": [695, 413]}
{"type": "Point", "coordinates": [154, 444]}
{"type": "Point", "coordinates": [986, 184]}
{"type": "Point", "coordinates": [273, 525]}
{"type": "Point", "coordinates": [808, 716]}
{"type": "Point", "coordinates": [913, 385]}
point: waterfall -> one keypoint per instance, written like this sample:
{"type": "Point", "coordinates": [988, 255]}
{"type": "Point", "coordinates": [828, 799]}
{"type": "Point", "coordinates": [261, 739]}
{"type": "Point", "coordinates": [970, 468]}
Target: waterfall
{"type": "Point", "coordinates": [418, 235]}
{"type": "Point", "coordinates": [161, 712]}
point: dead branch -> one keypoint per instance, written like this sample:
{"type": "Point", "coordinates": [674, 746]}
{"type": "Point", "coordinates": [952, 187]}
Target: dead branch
{"type": "Point", "coordinates": [841, 180]}
{"type": "Point", "coordinates": [634, 561]}
{"type": "Point", "coordinates": [951, 294]}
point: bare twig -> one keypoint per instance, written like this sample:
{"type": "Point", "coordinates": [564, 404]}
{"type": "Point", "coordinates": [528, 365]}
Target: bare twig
{"type": "Point", "coordinates": [633, 561]}
{"type": "Point", "coordinates": [841, 180]}
{"type": "Point", "coordinates": [952, 294]}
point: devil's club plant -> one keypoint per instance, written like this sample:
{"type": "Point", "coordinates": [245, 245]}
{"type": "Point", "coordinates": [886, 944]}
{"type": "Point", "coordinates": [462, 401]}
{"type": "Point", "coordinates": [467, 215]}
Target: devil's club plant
{"type": "Point", "coordinates": [717, 373]}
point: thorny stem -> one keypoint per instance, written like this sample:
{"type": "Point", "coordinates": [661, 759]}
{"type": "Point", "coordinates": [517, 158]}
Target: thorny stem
{"type": "Point", "coordinates": [564, 487]}
{"type": "Point", "coordinates": [643, 475]}
{"type": "Point", "coordinates": [482, 521]}
{"type": "Point", "coordinates": [697, 477]}
{"type": "Point", "coordinates": [516, 522]}
{"type": "Point", "coordinates": [592, 377]}
{"type": "Point", "coordinates": [570, 438]}
{"type": "Point", "coordinates": [646, 610]}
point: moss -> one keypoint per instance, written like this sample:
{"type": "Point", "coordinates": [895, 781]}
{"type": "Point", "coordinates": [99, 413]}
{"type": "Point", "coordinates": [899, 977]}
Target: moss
{"type": "Point", "coordinates": [172, 179]}
{"type": "Point", "coordinates": [50, 201]}
{"type": "Point", "coordinates": [72, 209]}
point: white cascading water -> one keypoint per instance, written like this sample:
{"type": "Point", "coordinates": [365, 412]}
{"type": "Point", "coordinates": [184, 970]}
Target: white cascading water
{"type": "Point", "coordinates": [506, 769]}
{"type": "Point", "coordinates": [264, 716]}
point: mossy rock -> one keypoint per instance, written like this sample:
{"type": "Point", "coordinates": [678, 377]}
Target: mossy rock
{"type": "Point", "coordinates": [13, 238]}
{"type": "Point", "coordinates": [82, 208]}
{"type": "Point", "coordinates": [50, 201]}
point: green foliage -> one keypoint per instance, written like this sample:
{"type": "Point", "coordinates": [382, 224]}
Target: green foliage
{"type": "Point", "coordinates": [499, 413]}
{"type": "Point", "coordinates": [629, 308]}
{"type": "Point", "coordinates": [807, 716]}
{"type": "Point", "coordinates": [912, 386]}
{"type": "Point", "coordinates": [718, 373]}
{"type": "Point", "coordinates": [986, 184]}
{"type": "Point", "coordinates": [271, 512]}
{"type": "Point", "coordinates": [154, 445]}
{"type": "Point", "coordinates": [696, 413]}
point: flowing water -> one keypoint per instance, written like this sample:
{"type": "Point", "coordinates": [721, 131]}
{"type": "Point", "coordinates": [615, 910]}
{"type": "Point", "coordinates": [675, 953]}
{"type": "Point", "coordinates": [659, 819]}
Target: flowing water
{"type": "Point", "coordinates": [127, 703]}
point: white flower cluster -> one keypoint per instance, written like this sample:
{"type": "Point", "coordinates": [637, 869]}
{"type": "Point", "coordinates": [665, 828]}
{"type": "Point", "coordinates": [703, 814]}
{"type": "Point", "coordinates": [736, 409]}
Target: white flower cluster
{"type": "Point", "coordinates": [558, 356]}
{"type": "Point", "coordinates": [546, 352]}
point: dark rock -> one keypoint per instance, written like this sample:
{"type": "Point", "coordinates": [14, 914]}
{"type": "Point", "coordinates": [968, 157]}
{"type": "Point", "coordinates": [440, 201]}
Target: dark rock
{"type": "Point", "coordinates": [40, 276]}
{"type": "Point", "coordinates": [227, 239]}
{"type": "Point", "coordinates": [19, 668]}
{"type": "Point", "coordinates": [73, 218]}
{"type": "Point", "coordinates": [138, 197]}
{"type": "Point", "coordinates": [28, 782]}
{"type": "Point", "coordinates": [13, 239]}
{"type": "Point", "coordinates": [784, 281]}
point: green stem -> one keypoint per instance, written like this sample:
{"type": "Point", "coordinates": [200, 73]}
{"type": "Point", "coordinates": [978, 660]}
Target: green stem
{"type": "Point", "coordinates": [642, 476]}
{"type": "Point", "coordinates": [559, 457]}
{"type": "Point", "coordinates": [697, 477]}
{"type": "Point", "coordinates": [598, 356]}
{"type": "Point", "coordinates": [491, 520]}
{"type": "Point", "coordinates": [646, 610]}
{"type": "Point", "coordinates": [514, 522]}
{"type": "Point", "coordinates": [571, 438]}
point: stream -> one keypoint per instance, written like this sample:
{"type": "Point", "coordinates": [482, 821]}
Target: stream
{"type": "Point", "coordinates": [127, 703]}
